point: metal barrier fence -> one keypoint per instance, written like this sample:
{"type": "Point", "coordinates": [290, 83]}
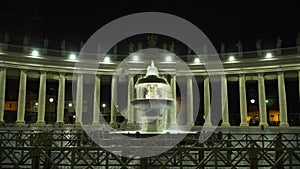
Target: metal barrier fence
{"type": "Point", "coordinates": [72, 148]}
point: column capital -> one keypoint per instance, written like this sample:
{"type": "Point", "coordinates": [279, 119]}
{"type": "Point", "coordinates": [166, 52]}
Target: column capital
{"type": "Point", "coordinates": [260, 74]}
{"type": "Point", "coordinates": [242, 75]}
{"type": "Point", "coordinates": [43, 71]}
{"type": "Point", "coordinates": [280, 72]}
{"type": "Point", "coordinates": [24, 71]}
{"type": "Point", "coordinates": [3, 68]}
{"type": "Point", "coordinates": [62, 73]}
{"type": "Point", "coordinates": [205, 77]}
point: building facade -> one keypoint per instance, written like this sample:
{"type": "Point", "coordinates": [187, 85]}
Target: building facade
{"type": "Point", "coordinates": [261, 89]}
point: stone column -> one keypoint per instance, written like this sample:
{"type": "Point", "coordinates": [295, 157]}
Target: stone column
{"type": "Point", "coordinates": [189, 100]}
{"type": "Point", "coordinates": [61, 100]}
{"type": "Point", "coordinates": [243, 100]}
{"type": "Point", "coordinates": [22, 98]}
{"type": "Point", "coordinates": [282, 100]}
{"type": "Point", "coordinates": [79, 98]}
{"type": "Point", "coordinates": [173, 110]}
{"type": "Point", "coordinates": [42, 99]}
{"type": "Point", "coordinates": [2, 93]}
{"type": "Point", "coordinates": [207, 109]}
{"type": "Point", "coordinates": [130, 108]}
{"type": "Point", "coordinates": [225, 114]}
{"type": "Point", "coordinates": [96, 113]}
{"type": "Point", "coordinates": [113, 110]}
{"type": "Point", "coordinates": [262, 100]}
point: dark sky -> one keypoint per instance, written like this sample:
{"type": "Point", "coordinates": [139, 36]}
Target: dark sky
{"type": "Point", "coordinates": [226, 21]}
{"type": "Point", "coordinates": [221, 21]}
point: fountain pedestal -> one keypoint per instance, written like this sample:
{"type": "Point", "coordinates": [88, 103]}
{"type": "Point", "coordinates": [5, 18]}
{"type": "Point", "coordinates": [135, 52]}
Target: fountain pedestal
{"type": "Point", "coordinates": [152, 100]}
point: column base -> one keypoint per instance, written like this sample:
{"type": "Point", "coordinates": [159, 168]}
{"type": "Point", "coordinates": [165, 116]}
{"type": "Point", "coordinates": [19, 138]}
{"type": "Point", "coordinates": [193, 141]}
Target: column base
{"type": "Point", "coordinates": [20, 123]}
{"type": "Point", "coordinates": [40, 123]}
{"type": "Point", "coordinates": [244, 124]}
{"type": "Point", "coordinates": [113, 124]}
{"type": "Point", "coordinates": [77, 123]}
{"type": "Point", "coordinates": [96, 123]}
{"type": "Point", "coordinates": [130, 126]}
{"type": "Point", "coordinates": [2, 123]}
{"type": "Point", "coordinates": [263, 124]}
{"type": "Point", "coordinates": [284, 125]}
{"type": "Point", "coordinates": [207, 124]}
{"type": "Point", "coordinates": [59, 124]}
{"type": "Point", "coordinates": [189, 124]}
{"type": "Point", "coordinates": [225, 124]}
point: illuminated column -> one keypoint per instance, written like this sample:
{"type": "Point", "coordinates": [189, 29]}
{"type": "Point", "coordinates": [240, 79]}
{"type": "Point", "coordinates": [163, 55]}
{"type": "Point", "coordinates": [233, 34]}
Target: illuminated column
{"type": "Point", "coordinates": [22, 98]}
{"type": "Point", "coordinates": [2, 93]}
{"type": "Point", "coordinates": [173, 110]}
{"type": "Point", "coordinates": [189, 100]}
{"type": "Point", "coordinates": [262, 100]}
{"type": "Point", "coordinates": [282, 100]}
{"type": "Point", "coordinates": [61, 99]}
{"type": "Point", "coordinates": [243, 100]}
{"type": "Point", "coordinates": [96, 113]}
{"type": "Point", "coordinates": [113, 101]}
{"type": "Point", "coordinates": [42, 99]}
{"type": "Point", "coordinates": [130, 97]}
{"type": "Point", "coordinates": [79, 94]}
{"type": "Point", "coordinates": [207, 109]}
{"type": "Point", "coordinates": [139, 95]}
{"type": "Point", "coordinates": [225, 115]}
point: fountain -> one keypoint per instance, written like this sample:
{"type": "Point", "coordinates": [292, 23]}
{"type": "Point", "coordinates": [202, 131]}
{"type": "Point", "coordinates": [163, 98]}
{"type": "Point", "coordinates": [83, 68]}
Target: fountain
{"type": "Point", "coordinates": [153, 100]}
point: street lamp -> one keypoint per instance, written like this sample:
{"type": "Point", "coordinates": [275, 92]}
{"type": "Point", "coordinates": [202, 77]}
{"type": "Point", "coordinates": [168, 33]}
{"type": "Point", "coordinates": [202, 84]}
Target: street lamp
{"type": "Point", "coordinates": [51, 100]}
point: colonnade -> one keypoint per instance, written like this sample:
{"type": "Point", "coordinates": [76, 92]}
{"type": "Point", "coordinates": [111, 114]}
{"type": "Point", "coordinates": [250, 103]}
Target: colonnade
{"type": "Point", "coordinates": [190, 111]}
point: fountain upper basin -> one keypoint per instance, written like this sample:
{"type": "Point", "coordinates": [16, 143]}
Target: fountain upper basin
{"type": "Point", "coordinates": [148, 104]}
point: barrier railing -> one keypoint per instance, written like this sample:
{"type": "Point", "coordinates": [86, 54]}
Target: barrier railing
{"type": "Point", "coordinates": [74, 149]}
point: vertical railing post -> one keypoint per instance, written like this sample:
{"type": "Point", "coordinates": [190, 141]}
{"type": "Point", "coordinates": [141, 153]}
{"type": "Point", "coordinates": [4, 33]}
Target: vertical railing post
{"type": "Point", "coordinates": [279, 151]}
{"type": "Point", "coordinates": [73, 158]}
{"type": "Point", "coordinates": [201, 155]}
{"type": "Point", "coordinates": [35, 154]}
{"type": "Point", "coordinates": [229, 152]}
{"type": "Point", "coordinates": [143, 163]}
{"type": "Point", "coordinates": [253, 156]}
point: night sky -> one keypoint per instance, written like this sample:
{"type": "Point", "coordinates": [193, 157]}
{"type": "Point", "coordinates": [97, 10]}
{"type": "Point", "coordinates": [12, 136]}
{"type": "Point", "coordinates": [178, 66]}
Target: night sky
{"type": "Point", "coordinates": [226, 21]}
{"type": "Point", "coordinates": [221, 21]}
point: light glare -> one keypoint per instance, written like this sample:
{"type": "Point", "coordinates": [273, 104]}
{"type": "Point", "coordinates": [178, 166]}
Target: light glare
{"type": "Point", "coordinates": [269, 55]}
{"type": "Point", "coordinates": [168, 58]}
{"type": "Point", "coordinates": [72, 57]}
{"type": "Point", "coordinates": [51, 100]}
{"type": "Point", "coordinates": [106, 59]}
{"type": "Point", "coordinates": [197, 60]}
{"type": "Point", "coordinates": [135, 58]}
{"type": "Point", "coordinates": [35, 53]}
{"type": "Point", "coordinates": [231, 58]}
